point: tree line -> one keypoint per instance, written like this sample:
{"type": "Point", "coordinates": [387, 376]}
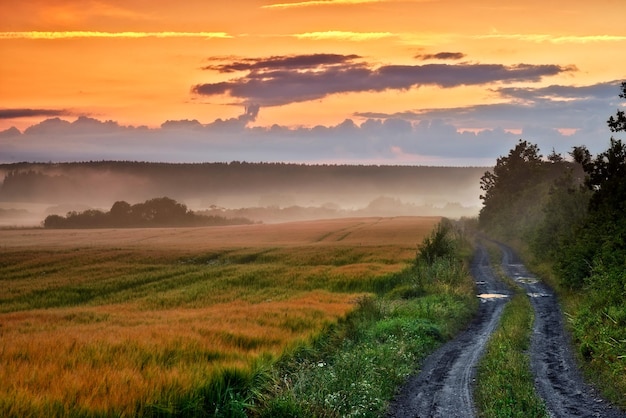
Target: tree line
{"type": "Point", "coordinates": [158, 212]}
{"type": "Point", "coordinates": [107, 181]}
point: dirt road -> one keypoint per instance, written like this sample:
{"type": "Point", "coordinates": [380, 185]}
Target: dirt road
{"type": "Point", "coordinates": [443, 388]}
{"type": "Point", "coordinates": [557, 378]}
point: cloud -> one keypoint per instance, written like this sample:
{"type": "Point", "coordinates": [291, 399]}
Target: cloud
{"type": "Point", "coordinates": [419, 137]}
{"type": "Point", "coordinates": [344, 36]}
{"type": "Point", "coordinates": [277, 81]}
{"type": "Point", "coordinates": [528, 104]}
{"type": "Point", "coordinates": [82, 125]}
{"type": "Point", "coordinates": [126, 35]}
{"type": "Point", "coordinates": [378, 142]}
{"type": "Point", "coordinates": [441, 56]}
{"type": "Point", "coordinates": [601, 91]}
{"type": "Point", "coordinates": [27, 113]}
{"type": "Point", "coordinates": [309, 3]}
{"type": "Point", "coordinates": [293, 62]}
{"type": "Point", "coordinates": [538, 38]}
{"type": "Point", "coordinates": [555, 116]}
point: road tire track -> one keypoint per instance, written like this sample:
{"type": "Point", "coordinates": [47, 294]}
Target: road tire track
{"type": "Point", "coordinates": [558, 379]}
{"type": "Point", "coordinates": [443, 388]}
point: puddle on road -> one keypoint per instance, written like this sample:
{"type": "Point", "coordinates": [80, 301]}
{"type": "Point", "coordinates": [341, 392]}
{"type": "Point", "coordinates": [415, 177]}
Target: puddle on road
{"type": "Point", "coordinates": [537, 295]}
{"type": "Point", "coordinates": [486, 296]}
{"type": "Point", "coordinates": [526, 280]}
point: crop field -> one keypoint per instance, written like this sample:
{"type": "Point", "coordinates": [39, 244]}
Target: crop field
{"type": "Point", "coordinates": [112, 321]}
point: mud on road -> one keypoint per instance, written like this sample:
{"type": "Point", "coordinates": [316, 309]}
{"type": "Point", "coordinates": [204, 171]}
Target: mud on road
{"type": "Point", "coordinates": [558, 380]}
{"type": "Point", "coordinates": [444, 386]}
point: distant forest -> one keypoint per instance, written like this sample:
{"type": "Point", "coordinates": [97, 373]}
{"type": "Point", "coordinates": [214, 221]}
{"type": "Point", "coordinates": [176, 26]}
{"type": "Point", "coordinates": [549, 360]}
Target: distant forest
{"type": "Point", "coordinates": [237, 184]}
{"type": "Point", "coordinates": [37, 181]}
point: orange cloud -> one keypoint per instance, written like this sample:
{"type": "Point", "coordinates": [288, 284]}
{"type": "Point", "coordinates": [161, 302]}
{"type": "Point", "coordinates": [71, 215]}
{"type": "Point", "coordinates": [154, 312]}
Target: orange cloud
{"type": "Point", "coordinates": [93, 34]}
{"type": "Point", "coordinates": [317, 3]}
{"type": "Point", "coordinates": [344, 36]}
{"type": "Point", "coordinates": [555, 39]}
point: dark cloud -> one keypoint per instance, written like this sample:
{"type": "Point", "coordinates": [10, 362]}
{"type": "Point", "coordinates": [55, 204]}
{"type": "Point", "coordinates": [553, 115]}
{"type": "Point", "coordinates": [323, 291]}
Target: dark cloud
{"type": "Point", "coordinates": [422, 136]}
{"type": "Point", "coordinates": [11, 132]}
{"type": "Point", "coordinates": [441, 56]}
{"type": "Point", "coordinates": [282, 80]}
{"type": "Point", "coordinates": [283, 62]}
{"type": "Point", "coordinates": [181, 124]}
{"type": "Point", "coordinates": [249, 115]}
{"type": "Point", "coordinates": [602, 91]}
{"type": "Point", "coordinates": [27, 113]}
{"type": "Point", "coordinates": [82, 125]}
{"type": "Point", "coordinates": [555, 106]}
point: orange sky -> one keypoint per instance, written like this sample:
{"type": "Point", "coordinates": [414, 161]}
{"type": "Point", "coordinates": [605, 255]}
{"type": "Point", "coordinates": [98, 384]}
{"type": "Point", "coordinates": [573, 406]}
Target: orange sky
{"type": "Point", "coordinates": [137, 61]}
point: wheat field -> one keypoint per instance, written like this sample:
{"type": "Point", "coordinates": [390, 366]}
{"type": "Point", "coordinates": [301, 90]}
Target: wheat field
{"type": "Point", "coordinates": [111, 320]}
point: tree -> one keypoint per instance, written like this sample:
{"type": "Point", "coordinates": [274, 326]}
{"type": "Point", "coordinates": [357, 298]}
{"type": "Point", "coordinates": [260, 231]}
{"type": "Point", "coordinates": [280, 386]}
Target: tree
{"type": "Point", "coordinates": [511, 172]}
{"type": "Point", "coordinates": [607, 178]}
{"type": "Point", "coordinates": [164, 211]}
{"type": "Point", "coordinates": [606, 173]}
{"type": "Point", "coordinates": [505, 185]}
{"type": "Point", "coordinates": [158, 212]}
{"type": "Point", "coordinates": [599, 243]}
{"type": "Point", "coordinates": [120, 209]}
{"type": "Point", "coordinates": [618, 123]}
{"type": "Point", "coordinates": [555, 157]}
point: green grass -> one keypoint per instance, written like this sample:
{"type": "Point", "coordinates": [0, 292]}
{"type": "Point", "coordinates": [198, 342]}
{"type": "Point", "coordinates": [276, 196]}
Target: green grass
{"type": "Point", "coordinates": [356, 366]}
{"type": "Point", "coordinates": [504, 382]}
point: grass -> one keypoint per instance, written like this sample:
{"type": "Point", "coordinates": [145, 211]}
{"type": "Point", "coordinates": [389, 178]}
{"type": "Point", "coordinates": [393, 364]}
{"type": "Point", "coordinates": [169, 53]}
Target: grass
{"type": "Point", "coordinates": [180, 321]}
{"type": "Point", "coordinates": [355, 373]}
{"type": "Point", "coordinates": [504, 382]}
{"type": "Point", "coordinates": [354, 368]}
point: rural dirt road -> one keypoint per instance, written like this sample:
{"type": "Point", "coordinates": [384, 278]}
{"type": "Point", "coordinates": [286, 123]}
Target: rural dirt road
{"type": "Point", "coordinates": [443, 388]}
{"type": "Point", "coordinates": [557, 378]}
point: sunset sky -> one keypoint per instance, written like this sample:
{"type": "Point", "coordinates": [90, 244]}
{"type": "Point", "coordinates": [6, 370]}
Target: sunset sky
{"type": "Point", "coordinates": [427, 82]}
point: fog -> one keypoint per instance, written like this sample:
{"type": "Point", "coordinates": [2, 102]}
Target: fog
{"type": "Point", "coordinates": [260, 192]}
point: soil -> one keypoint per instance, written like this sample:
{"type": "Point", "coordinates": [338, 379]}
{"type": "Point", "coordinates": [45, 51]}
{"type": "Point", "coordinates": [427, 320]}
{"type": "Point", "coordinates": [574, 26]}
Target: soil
{"type": "Point", "coordinates": [443, 388]}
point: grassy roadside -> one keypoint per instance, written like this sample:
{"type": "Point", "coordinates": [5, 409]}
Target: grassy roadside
{"type": "Point", "coordinates": [354, 369]}
{"type": "Point", "coordinates": [504, 382]}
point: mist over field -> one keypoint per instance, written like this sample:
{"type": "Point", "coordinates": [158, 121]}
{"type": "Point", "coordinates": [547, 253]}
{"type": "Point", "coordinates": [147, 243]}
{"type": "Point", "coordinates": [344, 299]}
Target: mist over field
{"type": "Point", "coordinates": [261, 192]}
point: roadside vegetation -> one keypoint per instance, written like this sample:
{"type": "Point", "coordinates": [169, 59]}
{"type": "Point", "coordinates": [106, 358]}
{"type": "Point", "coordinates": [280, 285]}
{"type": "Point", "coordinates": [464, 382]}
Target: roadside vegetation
{"type": "Point", "coordinates": [505, 386]}
{"type": "Point", "coordinates": [238, 321]}
{"type": "Point", "coordinates": [354, 368]}
{"type": "Point", "coordinates": [568, 219]}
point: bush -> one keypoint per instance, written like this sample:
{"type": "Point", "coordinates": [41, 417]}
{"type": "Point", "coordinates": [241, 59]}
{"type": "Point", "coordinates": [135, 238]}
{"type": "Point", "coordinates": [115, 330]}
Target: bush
{"type": "Point", "coordinates": [438, 244]}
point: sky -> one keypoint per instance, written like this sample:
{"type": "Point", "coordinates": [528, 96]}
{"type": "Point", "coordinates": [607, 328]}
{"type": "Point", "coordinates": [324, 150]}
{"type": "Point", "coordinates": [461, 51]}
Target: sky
{"type": "Point", "coordinates": [409, 82]}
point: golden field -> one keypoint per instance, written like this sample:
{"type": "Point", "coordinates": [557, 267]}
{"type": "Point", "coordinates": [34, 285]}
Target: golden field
{"type": "Point", "coordinates": [113, 320]}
